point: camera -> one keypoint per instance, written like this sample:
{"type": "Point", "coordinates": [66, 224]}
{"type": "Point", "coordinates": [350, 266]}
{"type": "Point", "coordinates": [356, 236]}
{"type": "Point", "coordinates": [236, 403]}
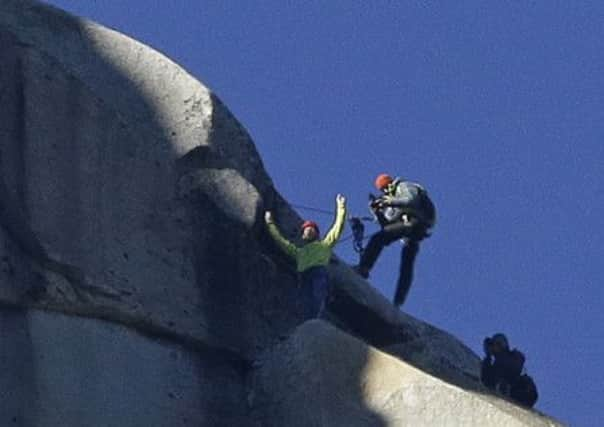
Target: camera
{"type": "Point", "coordinates": [375, 202]}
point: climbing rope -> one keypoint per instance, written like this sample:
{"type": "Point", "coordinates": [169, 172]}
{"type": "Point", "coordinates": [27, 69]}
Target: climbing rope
{"type": "Point", "coordinates": [356, 224]}
{"type": "Point", "coordinates": [311, 209]}
{"type": "Point", "coordinates": [331, 213]}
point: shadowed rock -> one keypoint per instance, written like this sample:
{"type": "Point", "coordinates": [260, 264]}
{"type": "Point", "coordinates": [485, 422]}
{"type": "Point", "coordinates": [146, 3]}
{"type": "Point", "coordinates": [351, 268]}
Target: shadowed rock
{"type": "Point", "coordinates": [130, 233]}
{"type": "Point", "coordinates": [306, 381]}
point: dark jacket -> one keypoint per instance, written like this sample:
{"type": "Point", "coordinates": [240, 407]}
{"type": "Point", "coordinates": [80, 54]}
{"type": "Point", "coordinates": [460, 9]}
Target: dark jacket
{"type": "Point", "coordinates": [504, 370]}
{"type": "Point", "coordinates": [406, 197]}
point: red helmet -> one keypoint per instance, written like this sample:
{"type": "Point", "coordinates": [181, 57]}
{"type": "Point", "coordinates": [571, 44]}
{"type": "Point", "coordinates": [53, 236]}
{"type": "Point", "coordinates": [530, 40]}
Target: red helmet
{"type": "Point", "coordinates": [312, 224]}
{"type": "Point", "coordinates": [382, 181]}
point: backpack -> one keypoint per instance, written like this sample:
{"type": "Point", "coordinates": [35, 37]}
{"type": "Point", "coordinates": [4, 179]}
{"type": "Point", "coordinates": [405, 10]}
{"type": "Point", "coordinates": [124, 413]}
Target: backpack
{"type": "Point", "coordinates": [524, 391]}
{"type": "Point", "coordinates": [419, 203]}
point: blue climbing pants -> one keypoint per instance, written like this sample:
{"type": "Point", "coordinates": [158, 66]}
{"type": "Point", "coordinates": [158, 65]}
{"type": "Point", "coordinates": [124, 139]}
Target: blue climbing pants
{"type": "Point", "coordinates": [315, 288]}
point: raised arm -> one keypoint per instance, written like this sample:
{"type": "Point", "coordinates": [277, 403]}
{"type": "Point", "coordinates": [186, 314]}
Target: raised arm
{"type": "Point", "coordinates": [286, 246]}
{"type": "Point", "coordinates": [334, 233]}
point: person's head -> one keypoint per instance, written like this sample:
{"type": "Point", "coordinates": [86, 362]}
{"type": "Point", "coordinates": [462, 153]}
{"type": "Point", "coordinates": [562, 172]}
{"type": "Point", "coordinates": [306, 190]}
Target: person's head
{"type": "Point", "coordinates": [310, 231]}
{"type": "Point", "coordinates": [382, 182]}
{"type": "Point", "coordinates": [499, 343]}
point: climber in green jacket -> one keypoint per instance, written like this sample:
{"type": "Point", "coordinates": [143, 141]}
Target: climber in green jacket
{"type": "Point", "coordinates": [313, 256]}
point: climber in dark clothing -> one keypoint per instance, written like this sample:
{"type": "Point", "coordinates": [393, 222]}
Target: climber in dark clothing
{"type": "Point", "coordinates": [501, 370]}
{"type": "Point", "coordinates": [404, 211]}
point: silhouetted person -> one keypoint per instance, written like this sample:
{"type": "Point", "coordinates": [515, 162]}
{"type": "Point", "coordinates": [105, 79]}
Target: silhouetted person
{"type": "Point", "coordinates": [501, 371]}
{"type": "Point", "coordinates": [404, 212]}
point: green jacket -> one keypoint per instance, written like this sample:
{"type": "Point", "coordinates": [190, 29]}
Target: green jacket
{"type": "Point", "coordinates": [315, 253]}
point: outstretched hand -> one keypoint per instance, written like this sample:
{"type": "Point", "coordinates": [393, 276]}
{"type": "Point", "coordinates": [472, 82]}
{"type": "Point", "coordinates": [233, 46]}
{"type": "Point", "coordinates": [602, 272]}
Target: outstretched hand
{"type": "Point", "coordinates": [340, 199]}
{"type": "Point", "coordinates": [268, 217]}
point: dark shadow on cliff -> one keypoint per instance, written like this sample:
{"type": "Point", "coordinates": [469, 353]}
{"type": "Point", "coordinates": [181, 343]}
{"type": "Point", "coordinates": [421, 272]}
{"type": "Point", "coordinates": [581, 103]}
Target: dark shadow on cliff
{"type": "Point", "coordinates": [311, 378]}
{"type": "Point", "coordinates": [248, 294]}
{"type": "Point", "coordinates": [18, 393]}
{"type": "Point", "coordinates": [403, 343]}
{"type": "Point", "coordinates": [254, 272]}
{"type": "Point", "coordinates": [18, 111]}
{"type": "Point", "coordinates": [247, 290]}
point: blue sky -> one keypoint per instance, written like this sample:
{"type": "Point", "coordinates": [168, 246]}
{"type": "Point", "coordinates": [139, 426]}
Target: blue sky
{"type": "Point", "coordinates": [496, 107]}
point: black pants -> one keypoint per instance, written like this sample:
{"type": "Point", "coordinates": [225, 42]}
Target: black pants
{"type": "Point", "coordinates": [405, 276]}
{"type": "Point", "coordinates": [387, 235]}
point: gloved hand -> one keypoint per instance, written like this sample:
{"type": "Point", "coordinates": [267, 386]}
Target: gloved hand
{"type": "Point", "coordinates": [386, 200]}
{"type": "Point", "coordinates": [268, 217]}
{"type": "Point", "coordinates": [340, 200]}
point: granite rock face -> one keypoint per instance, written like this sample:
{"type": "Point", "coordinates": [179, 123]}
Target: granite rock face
{"type": "Point", "coordinates": [306, 381]}
{"type": "Point", "coordinates": [66, 371]}
{"type": "Point", "coordinates": [117, 168]}
{"type": "Point", "coordinates": [137, 283]}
